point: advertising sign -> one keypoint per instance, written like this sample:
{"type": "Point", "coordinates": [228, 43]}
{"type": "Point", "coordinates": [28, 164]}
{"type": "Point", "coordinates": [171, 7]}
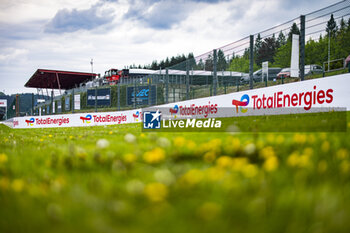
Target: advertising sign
{"type": "Point", "coordinates": [67, 103]}
{"type": "Point", "coordinates": [315, 95]}
{"type": "Point", "coordinates": [77, 102]}
{"type": "Point", "coordinates": [59, 106]}
{"type": "Point", "coordinates": [142, 95]}
{"type": "Point", "coordinates": [103, 97]}
{"type": "Point", "coordinates": [3, 102]}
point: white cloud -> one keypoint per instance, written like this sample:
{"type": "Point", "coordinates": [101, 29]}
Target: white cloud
{"type": "Point", "coordinates": [129, 31]}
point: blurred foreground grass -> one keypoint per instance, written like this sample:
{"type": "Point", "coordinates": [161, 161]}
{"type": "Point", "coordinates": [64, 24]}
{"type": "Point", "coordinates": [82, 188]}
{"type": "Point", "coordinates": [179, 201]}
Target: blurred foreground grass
{"type": "Point", "coordinates": [118, 179]}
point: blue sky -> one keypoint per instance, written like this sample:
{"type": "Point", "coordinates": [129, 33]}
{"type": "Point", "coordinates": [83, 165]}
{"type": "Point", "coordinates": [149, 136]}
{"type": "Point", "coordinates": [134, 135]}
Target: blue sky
{"type": "Point", "coordinates": [62, 34]}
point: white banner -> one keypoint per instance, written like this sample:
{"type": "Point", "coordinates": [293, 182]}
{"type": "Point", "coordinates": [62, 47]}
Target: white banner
{"type": "Point", "coordinates": [3, 102]}
{"type": "Point", "coordinates": [77, 102]}
{"type": "Point", "coordinates": [297, 97]}
{"type": "Point", "coordinates": [265, 71]}
{"type": "Point", "coordinates": [294, 63]}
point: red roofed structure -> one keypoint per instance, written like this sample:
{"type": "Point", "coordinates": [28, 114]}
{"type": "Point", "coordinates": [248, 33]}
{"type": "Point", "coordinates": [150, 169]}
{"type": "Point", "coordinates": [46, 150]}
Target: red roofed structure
{"type": "Point", "coordinates": [57, 79]}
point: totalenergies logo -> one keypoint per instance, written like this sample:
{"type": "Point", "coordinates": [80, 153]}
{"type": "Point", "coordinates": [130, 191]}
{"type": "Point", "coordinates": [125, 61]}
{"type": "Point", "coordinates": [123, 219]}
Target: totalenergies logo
{"type": "Point", "coordinates": [30, 122]}
{"type": "Point", "coordinates": [174, 110]}
{"type": "Point", "coordinates": [136, 115]}
{"type": "Point", "coordinates": [86, 119]}
{"type": "Point", "coordinates": [242, 103]}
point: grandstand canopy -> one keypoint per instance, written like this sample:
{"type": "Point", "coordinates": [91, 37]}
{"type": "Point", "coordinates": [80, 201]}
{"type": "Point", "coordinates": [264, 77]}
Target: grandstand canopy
{"type": "Point", "coordinates": [58, 79]}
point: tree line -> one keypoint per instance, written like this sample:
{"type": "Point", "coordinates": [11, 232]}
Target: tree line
{"type": "Point", "coordinates": [275, 50]}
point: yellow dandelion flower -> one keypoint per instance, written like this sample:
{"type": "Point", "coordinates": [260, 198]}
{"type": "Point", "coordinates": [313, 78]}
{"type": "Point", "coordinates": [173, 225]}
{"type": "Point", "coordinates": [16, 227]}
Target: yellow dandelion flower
{"type": "Point", "coordinates": [17, 185]}
{"type": "Point", "coordinates": [3, 158]}
{"type": "Point", "coordinates": [341, 154]}
{"type": "Point", "coordinates": [209, 210]}
{"type": "Point", "coordinates": [250, 170]}
{"type": "Point", "coordinates": [345, 167]}
{"type": "Point", "coordinates": [224, 162]}
{"type": "Point", "coordinates": [156, 192]}
{"type": "Point", "coordinates": [271, 138]}
{"type": "Point", "coordinates": [192, 177]}
{"type": "Point", "coordinates": [71, 137]}
{"type": "Point", "coordinates": [279, 139]}
{"type": "Point", "coordinates": [239, 163]}
{"type": "Point", "coordinates": [308, 151]}
{"type": "Point", "coordinates": [110, 132]}
{"type": "Point", "coordinates": [325, 146]}
{"type": "Point", "coordinates": [50, 135]}
{"type": "Point", "coordinates": [191, 145]}
{"type": "Point", "coordinates": [41, 139]}
{"type": "Point", "coordinates": [156, 155]}
{"type": "Point", "coordinates": [130, 158]}
{"type": "Point", "coordinates": [299, 138]}
{"type": "Point", "coordinates": [179, 142]}
{"type": "Point", "coordinates": [236, 143]}
{"type": "Point", "coordinates": [267, 152]}
{"type": "Point", "coordinates": [142, 135]}
{"type": "Point", "coordinates": [293, 159]}
{"type": "Point", "coordinates": [271, 164]}
{"type": "Point", "coordinates": [209, 156]}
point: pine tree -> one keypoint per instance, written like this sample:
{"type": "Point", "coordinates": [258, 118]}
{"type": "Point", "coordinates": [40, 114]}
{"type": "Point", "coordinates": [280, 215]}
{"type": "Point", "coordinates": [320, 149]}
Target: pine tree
{"type": "Point", "coordinates": [222, 63]}
{"type": "Point", "coordinates": [281, 40]}
{"type": "Point", "coordinates": [332, 27]}
{"type": "Point", "coordinates": [209, 63]}
{"type": "Point", "coordinates": [293, 30]}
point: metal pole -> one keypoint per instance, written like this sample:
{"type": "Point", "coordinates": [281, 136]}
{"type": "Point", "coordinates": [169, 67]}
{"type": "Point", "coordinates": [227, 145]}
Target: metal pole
{"type": "Point", "coordinates": [187, 81]}
{"type": "Point", "coordinates": [149, 92]}
{"type": "Point", "coordinates": [73, 100]}
{"type": "Point", "coordinates": [32, 104]}
{"type": "Point", "coordinates": [329, 49]}
{"type": "Point", "coordinates": [214, 71]}
{"type": "Point", "coordinates": [118, 92]}
{"type": "Point", "coordinates": [95, 98]}
{"type": "Point", "coordinates": [51, 105]}
{"type": "Point", "coordinates": [302, 47]}
{"type": "Point", "coordinates": [167, 86]}
{"type": "Point", "coordinates": [135, 93]}
{"type": "Point", "coordinates": [251, 62]}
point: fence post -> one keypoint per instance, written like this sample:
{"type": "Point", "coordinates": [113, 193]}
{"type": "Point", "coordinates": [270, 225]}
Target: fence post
{"type": "Point", "coordinates": [167, 86]}
{"type": "Point", "coordinates": [72, 100]}
{"type": "Point", "coordinates": [118, 93]}
{"type": "Point", "coordinates": [96, 98]}
{"type": "Point", "coordinates": [187, 81]}
{"type": "Point", "coordinates": [32, 104]}
{"type": "Point", "coordinates": [302, 47]}
{"type": "Point", "coordinates": [251, 61]}
{"type": "Point", "coordinates": [149, 91]}
{"type": "Point", "coordinates": [135, 93]}
{"type": "Point", "coordinates": [215, 71]}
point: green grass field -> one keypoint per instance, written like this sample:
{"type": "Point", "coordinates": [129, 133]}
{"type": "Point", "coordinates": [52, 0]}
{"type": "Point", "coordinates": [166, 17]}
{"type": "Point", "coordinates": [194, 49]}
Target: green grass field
{"type": "Point", "coordinates": [119, 179]}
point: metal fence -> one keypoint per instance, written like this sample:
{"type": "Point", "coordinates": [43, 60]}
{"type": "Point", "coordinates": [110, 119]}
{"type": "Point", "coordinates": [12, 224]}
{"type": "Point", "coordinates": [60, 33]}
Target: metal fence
{"type": "Point", "coordinates": [324, 43]}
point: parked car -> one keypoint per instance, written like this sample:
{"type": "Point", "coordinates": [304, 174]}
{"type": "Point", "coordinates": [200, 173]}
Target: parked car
{"type": "Point", "coordinates": [313, 69]}
{"type": "Point", "coordinates": [272, 74]}
{"type": "Point", "coordinates": [285, 73]}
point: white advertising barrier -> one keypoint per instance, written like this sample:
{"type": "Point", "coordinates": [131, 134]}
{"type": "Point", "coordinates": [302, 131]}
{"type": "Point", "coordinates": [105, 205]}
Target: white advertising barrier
{"type": "Point", "coordinates": [77, 120]}
{"type": "Point", "coordinates": [315, 95]}
{"type": "Point", "coordinates": [323, 94]}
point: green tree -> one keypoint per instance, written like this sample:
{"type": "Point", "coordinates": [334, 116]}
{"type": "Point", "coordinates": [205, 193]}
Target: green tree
{"type": "Point", "coordinates": [332, 27]}
{"type": "Point", "coordinates": [209, 63]}
{"type": "Point", "coordinates": [281, 40]}
{"type": "Point", "coordinates": [293, 30]}
{"type": "Point", "coordinates": [222, 63]}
